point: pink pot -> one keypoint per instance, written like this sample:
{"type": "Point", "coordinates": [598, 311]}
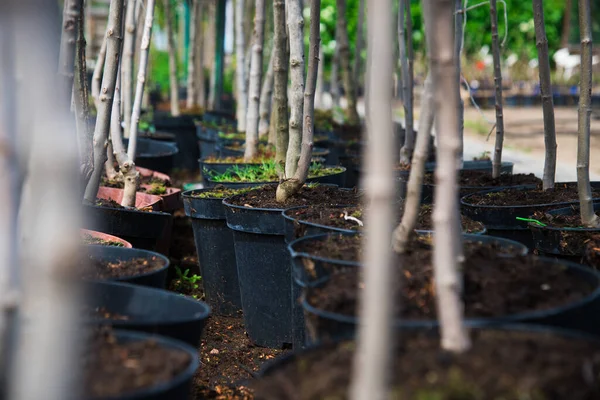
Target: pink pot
{"type": "Point", "coordinates": [142, 200]}
{"type": "Point", "coordinates": [106, 237]}
{"type": "Point", "coordinates": [156, 174]}
{"type": "Point", "coordinates": [172, 198]}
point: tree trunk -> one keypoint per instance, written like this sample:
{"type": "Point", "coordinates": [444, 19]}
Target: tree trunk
{"type": "Point", "coordinates": [265, 100]}
{"type": "Point", "coordinates": [201, 86]}
{"type": "Point", "coordinates": [409, 133]}
{"type": "Point", "coordinates": [295, 23]}
{"type": "Point", "coordinates": [289, 187]}
{"type": "Point", "coordinates": [210, 40]}
{"type": "Point", "coordinates": [372, 360]}
{"type": "Point", "coordinates": [113, 55]}
{"type": "Point", "coordinates": [127, 63]}
{"type": "Point", "coordinates": [458, 44]}
{"type": "Point", "coordinates": [588, 217]}
{"type": "Point", "coordinates": [109, 165]}
{"type": "Point", "coordinates": [240, 76]}
{"type": "Point", "coordinates": [566, 24]}
{"type": "Point", "coordinates": [141, 79]}
{"type": "Point", "coordinates": [247, 60]}
{"type": "Point", "coordinates": [255, 80]}
{"type": "Point", "coordinates": [173, 81]}
{"type": "Point", "coordinates": [360, 31]}
{"type": "Point", "coordinates": [335, 68]}
{"type": "Point", "coordinates": [280, 79]}
{"type": "Point", "coordinates": [344, 48]}
{"type": "Point", "coordinates": [412, 204]}
{"type": "Point", "coordinates": [320, 80]}
{"type": "Point", "coordinates": [497, 161]}
{"type": "Point", "coordinates": [72, 9]}
{"type": "Point", "coordinates": [82, 109]}
{"type": "Point", "coordinates": [439, 17]}
{"type": "Point", "coordinates": [192, 75]}
{"type": "Point", "coordinates": [546, 93]}
{"type": "Point", "coordinates": [97, 76]}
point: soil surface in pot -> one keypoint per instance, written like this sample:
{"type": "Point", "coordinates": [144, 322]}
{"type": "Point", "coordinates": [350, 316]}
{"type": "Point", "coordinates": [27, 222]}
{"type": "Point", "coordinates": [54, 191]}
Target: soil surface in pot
{"type": "Point", "coordinates": [484, 179]}
{"type": "Point", "coordinates": [559, 221]}
{"type": "Point", "coordinates": [493, 286]}
{"type": "Point", "coordinates": [339, 218]}
{"type": "Point", "coordinates": [500, 365]}
{"type": "Point", "coordinates": [109, 203]}
{"type": "Point", "coordinates": [113, 368]}
{"type": "Point", "coordinates": [516, 197]}
{"type": "Point", "coordinates": [89, 239]}
{"type": "Point", "coordinates": [220, 192]}
{"type": "Point", "coordinates": [264, 197]}
{"type": "Point", "coordinates": [572, 241]}
{"type": "Point", "coordinates": [592, 252]}
{"type": "Point", "coordinates": [101, 269]}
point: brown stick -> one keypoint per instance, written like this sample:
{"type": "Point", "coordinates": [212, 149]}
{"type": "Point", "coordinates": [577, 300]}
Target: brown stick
{"type": "Point", "coordinates": [497, 161]}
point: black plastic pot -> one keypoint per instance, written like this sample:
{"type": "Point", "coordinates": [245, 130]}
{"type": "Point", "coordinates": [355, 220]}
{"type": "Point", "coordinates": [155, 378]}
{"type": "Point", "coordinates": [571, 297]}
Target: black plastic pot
{"type": "Point", "coordinates": [352, 164]}
{"type": "Point", "coordinates": [501, 221]}
{"type": "Point", "coordinates": [177, 388]}
{"type": "Point", "coordinates": [144, 230]}
{"type": "Point", "coordinates": [564, 243]}
{"type": "Point", "coordinates": [154, 278]}
{"type": "Point", "coordinates": [332, 179]}
{"type": "Point", "coordinates": [155, 155]}
{"type": "Point", "coordinates": [263, 264]}
{"type": "Point", "coordinates": [148, 310]}
{"type": "Point", "coordinates": [184, 129]}
{"type": "Point", "coordinates": [216, 252]}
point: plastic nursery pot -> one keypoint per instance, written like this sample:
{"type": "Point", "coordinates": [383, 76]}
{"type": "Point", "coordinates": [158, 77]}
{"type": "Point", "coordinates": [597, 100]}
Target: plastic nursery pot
{"type": "Point", "coordinates": [154, 278]}
{"type": "Point", "coordinates": [565, 243]}
{"type": "Point", "coordinates": [154, 154]}
{"type": "Point", "coordinates": [216, 254]}
{"type": "Point", "coordinates": [110, 240]}
{"type": "Point", "coordinates": [146, 309]}
{"type": "Point", "coordinates": [142, 200]}
{"type": "Point", "coordinates": [178, 387]}
{"type": "Point", "coordinates": [501, 221]}
{"type": "Point", "coordinates": [263, 265]}
{"type": "Point", "coordinates": [159, 136]}
{"type": "Point", "coordinates": [351, 163]}
{"type": "Point", "coordinates": [184, 129]}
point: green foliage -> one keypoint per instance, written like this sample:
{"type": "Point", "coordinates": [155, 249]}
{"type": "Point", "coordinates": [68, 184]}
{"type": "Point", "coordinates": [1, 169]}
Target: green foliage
{"type": "Point", "coordinates": [268, 171]}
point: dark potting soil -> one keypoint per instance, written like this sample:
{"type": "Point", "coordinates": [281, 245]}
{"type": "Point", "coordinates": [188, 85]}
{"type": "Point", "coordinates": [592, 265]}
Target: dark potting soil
{"type": "Point", "coordinates": [559, 221]}
{"type": "Point", "coordinates": [100, 269]}
{"type": "Point", "coordinates": [500, 365]}
{"type": "Point", "coordinates": [573, 241]}
{"type": "Point", "coordinates": [113, 368]}
{"type": "Point", "coordinates": [109, 203]}
{"type": "Point", "coordinates": [338, 218]}
{"type": "Point", "coordinates": [89, 239]}
{"type": "Point", "coordinates": [143, 180]}
{"type": "Point", "coordinates": [104, 313]}
{"type": "Point", "coordinates": [484, 179]}
{"type": "Point", "coordinates": [493, 286]}
{"type": "Point", "coordinates": [229, 361]}
{"type": "Point", "coordinates": [592, 251]}
{"type": "Point", "coordinates": [220, 192]}
{"type": "Point", "coordinates": [264, 197]}
{"type": "Point", "coordinates": [516, 197]}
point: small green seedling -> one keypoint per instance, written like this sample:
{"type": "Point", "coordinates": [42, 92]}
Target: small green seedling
{"type": "Point", "coordinates": [535, 221]}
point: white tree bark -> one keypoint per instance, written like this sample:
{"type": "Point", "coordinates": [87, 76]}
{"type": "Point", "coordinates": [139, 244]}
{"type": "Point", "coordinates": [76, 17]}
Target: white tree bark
{"type": "Point", "coordinates": [407, 74]}
{"type": "Point", "coordinates": [497, 159]}
{"type": "Point", "coordinates": [201, 87]}
{"type": "Point", "coordinates": [173, 82]}
{"type": "Point", "coordinates": [266, 95]}
{"type": "Point", "coordinates": [412, 204]}
{"type": "Point", "coordinates": [127, 63]}
{"type": "Point", "coordinates": [192, 76]}
{"type": "Point", "coordinates": [210, 39]}
{"type": "Point", "coordinates": [256, 67]}
{"type": "Point", "coordinates": [71, 12]}
{"type": "Point", "coordinates": [371, 367]}
{"type": "Point", "coordinates": [240, 75]}
{"type": "Point", "coordinates": [113, 55]}
{"type": "Point", "coordinates": [320, 81]}
{"type": "Point", "coordinates": [439, 17]}
{"type": "Point", "coordinates": [289, 187]}
{"type": "Point", "coordinates": [280, 80]}
{"type": "Point", "coordinates": [458, 44]}
{"type": "Point", "coordinates": [141, 80]}
{"type": "Point", "coordinates": [295, 23]}
{"type": "Point", "coordinates": [109, 165]}
{"type": "Point", "coordinates": [97, 76]}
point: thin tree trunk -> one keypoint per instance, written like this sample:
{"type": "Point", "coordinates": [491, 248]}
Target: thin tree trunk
{"type": "Point", "coordinates": [546, 93]}
{"type": "Point", "coordinates": [173, 82]}
{"type": "Point", "coordinates": [97, 76]}
{"type": "Point", "coordinates": [192, 76]}
{"type": "Point", "coordinates": [141, 79]}
{"type": "Point", "coordinates": [344, 48]}
{"type": "Point", "coordinates": [459, 33]}
{"type": "Point", "coordinates": [409, 133]}
{"type": "Point", "coordinates": [320, 80]}
{"type": "Point", "coordinates": [127, 63]}
{"type": "Point", "coordinates": [255, 80]}
{"type": "Point", "coordinates": [412, 204]}
{"type": "Point", "coordinates": [295, 24]}
{"type": "Point", "coordinates": [82, 108]}
{"type": "Point", "coordinates": [265, 100]}
{"type": "Point", "coordinates": [240, 75]}
{"type": "Point", "coordinates": [109, 165]}
{"type": "Point", "coordinates": [360, 31]}
{"type": "Point", "coordinates": [588, 217]}
{"type": "Point", "coordinates": [201, 90]}
{"type": "Point", "coordinates": [210, 39]}
{"type": "Point", "coordinates": [439, 17]}
{"type": "Point", "coordinates": [335, 69]}
{"type": "Point", "coordinates": [111, 68]}
{"type": "Point", "coordinates": [289, 187]}
{"type": "Point", "coordinates": [566, 24]}
{"type": "Point", "coordinates": [280, 79]}
{"type": "Point", "coordinates": [497, 160]}
{"type": "Point", "coordinates": [247, 60]}
{"type": "Point", "coordinates": [72, 9]}
{"type": "Point", "coordinates": [372, 360]}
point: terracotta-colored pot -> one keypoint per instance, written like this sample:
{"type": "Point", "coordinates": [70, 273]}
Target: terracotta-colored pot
{"type": "Point", "coordinates": [142, 200]}
{"type": "Point", "coordinates": [156, 174]}
{"type": "Point", "coordinates": [106, 237]}
{"type": "Point", "coordinates": [172, 198]}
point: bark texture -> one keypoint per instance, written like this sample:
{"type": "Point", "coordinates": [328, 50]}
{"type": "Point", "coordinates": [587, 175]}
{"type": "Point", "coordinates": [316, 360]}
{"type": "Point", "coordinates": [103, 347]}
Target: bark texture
{"type": "Point", "coordinates": [439, 17]}
{"type": "Point", "coordinates": [192, 77]}
{"type": "Point", "coordinates": [255, 80]}
{"type": "Point", "coordinates": [371, 367]}
{"type": "Point", "coordinates": [199, 39]}
{"type": "Point", "coordinates": [407, 74]}
{"type": "Point", "coordinates": [173, 82]}
{"type": "Point", "coordinates": [458, 45]}
{"type": "Point", "coordinates": [240, 64]}
{"type": "Point", "coordinates": [360, 32]}
{"type": "Point", "coordinates": [127, 63]}
{"type": "Point", "coordinates": [586, 206]}
{"type": "Point", "coordinates": [109, 79]}
{"type": "Point", "coordinates": [320, 81]}
{"type": "Point", "coordinates": [546, 93]}
{"type": "Point", "coordinates": [280, 79]}
{"type": "Point", "coordinates": [352, 117]}
{"type": "Point", "coordinates": [497, 160]}
{"type": "Point", "coordinates": [72, 9]}
{"type": "Point", "coordinates": [97, 76]}
{"type": "Point", "coordinates": [335, 73]}
{"type": "Point", "coordinates": [266, 95]}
